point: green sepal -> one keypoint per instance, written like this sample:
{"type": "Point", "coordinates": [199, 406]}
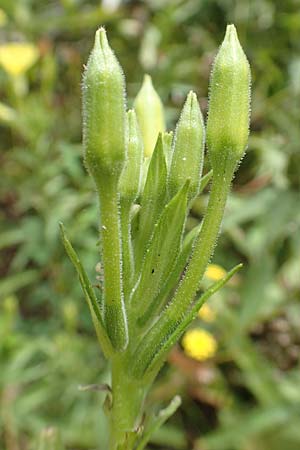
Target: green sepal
{"type": "Point", "coordinates": [152, 201]}
{"type": "Point", "coordinates": [155, 346]}
{"type": "Point", "coordinates": [162, 252]}
{"type": "Point", "coordinates": [89, 295]}
{"type": "Point", "coordinates": [157, 421]}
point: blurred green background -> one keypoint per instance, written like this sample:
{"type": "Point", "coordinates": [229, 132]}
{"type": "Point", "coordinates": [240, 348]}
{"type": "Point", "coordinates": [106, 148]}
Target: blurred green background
{"type": "Point", "coordinates": [248, 396]}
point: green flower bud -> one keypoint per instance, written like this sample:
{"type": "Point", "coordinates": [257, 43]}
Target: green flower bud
{"type": "Point", "coordinates": [188, 152]}
{"type": "Point", "coordinates": [150, 114]}
{"type": "Point", "coordinates": [229, 104]}
{"type": "Point", "coordinates": [130, 180]}
{"type": "Point", "coordinates": [103, 111]}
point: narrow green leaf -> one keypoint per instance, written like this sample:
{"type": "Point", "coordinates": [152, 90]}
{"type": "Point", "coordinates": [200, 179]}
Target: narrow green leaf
{"type": "Point", "coordinates": [158, 421]}
{"type": "Point", "coordinates": [162, 252]}
{"type": "Point", "coordinates": [89, 294]}
{"type": "Point", "coordinates": [152, 201]}
{"type": "Point", "coordinates": [152, 353]}
{"type": "Point", "coordinates": [173, 278]}
{"type": "Point", "coordinates": [174, 275]}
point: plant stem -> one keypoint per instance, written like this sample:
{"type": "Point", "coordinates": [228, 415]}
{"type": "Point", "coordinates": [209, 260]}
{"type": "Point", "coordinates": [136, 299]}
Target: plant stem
{"type": "Point", "coordinates": [204, 245]}
{"type": "Point", "coordinates": [114, 310]}
{"type": "Point", "coordinates": [127, 254]}
{"type": "Point", "coordinates": [125, 415]}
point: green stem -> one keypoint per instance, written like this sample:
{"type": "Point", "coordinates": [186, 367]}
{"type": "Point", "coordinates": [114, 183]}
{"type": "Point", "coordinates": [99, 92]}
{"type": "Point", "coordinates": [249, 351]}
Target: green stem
{"type": "Point", "coordinates": [127, 401]}
{"type": "Point", "coordinates": [114, 309]}
{"type": "Point", "coordinates": [204, 246]}
{"type": "Point", "coordinates": [127, 253]}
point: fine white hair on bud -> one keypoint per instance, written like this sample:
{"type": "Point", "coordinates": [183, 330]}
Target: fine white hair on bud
{"type": "Point", "coordinates": [229, 103]}
{"type": "Point", "coordinates": [103, 111]}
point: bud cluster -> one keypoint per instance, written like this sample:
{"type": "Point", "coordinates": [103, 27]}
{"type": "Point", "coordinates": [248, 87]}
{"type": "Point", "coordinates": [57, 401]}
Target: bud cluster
{"type": "Point", "coordinates": [146, 180]}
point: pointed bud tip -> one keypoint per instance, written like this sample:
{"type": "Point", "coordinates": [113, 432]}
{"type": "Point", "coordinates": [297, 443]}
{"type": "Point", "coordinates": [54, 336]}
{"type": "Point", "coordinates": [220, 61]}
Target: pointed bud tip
{"type": "Point", "coordinates": [231, 41]}
{"type": "Point", "coordinates": [101, 39]}
{"type": "Point", "coordinates": [147, 79]}
{"type": "Point", "coordinates": [192, 99]}
{"type": "Point", "coordinates": [231, 33]}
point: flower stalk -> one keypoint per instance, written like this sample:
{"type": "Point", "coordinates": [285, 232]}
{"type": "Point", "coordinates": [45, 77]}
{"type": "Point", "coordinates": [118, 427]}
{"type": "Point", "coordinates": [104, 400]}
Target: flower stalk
{"type": "Point", "coordinates": [146, 179]}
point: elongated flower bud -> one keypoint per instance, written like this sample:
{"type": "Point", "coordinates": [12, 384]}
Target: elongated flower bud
{"type": "Point", "coordinates": [130, 180]}
{"type": "Point", "coordinates": [103, 111]}
{"type": "Point", "coordinates": [187, 158]}
{"type": "Point", "coordinates": [229, 104]}
{"type": "Point", "coordinates": [150, 114]}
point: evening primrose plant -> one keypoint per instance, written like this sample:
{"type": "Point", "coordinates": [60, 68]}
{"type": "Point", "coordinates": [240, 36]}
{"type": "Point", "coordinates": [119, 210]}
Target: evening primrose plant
{"type": "Point", "coordinates": [146, 180]}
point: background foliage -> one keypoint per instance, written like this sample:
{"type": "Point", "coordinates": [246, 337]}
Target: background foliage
{"type": "Point", "coordinates": [248, 396]}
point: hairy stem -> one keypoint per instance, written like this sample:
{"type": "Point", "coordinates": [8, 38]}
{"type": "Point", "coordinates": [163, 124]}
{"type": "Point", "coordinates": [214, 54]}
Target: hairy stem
{"type": "Point", "coordinates": [127, 254]}
{"type": "Point", "coordinates": [127, 401]}
{"type": "Point", "coordinates": [114, 310]}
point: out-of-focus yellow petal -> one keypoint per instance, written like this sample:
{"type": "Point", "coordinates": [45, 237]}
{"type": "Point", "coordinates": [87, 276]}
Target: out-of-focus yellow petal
{"type": "Point", "coordinates": [206, 313]}
{"type": "Point", "coordinates": [215, 272]}
{"type": "Point", "coordinates": [199, 344]}
{"type": "Point", "coordinates": [17, 57]}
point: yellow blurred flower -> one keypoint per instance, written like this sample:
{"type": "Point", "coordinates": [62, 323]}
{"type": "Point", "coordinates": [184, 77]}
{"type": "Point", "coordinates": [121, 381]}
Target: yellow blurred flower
{"type": "Point", "coordinates": [206, 313]}
{"type": "Point", "coordinates": [215, 272]}
{"type": "Point", "coordinates": [17, 57]}
{"type": "Point", "coordinates": [199, 344]}
{"type": "Point", "coordinates": [3, 18]}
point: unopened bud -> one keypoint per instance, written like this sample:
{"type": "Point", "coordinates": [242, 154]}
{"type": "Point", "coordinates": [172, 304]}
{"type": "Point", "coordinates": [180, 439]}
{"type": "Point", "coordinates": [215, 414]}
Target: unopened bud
{"type": "Point", "coordinates": [187, 158]}
{"type": "Point", "coordinates": [103, 111]}
{"type": "Point", "coordinates": [130, 180]}
{"type": "Point", "coordinates": [229, 104]}
{"type": "Point", "coordinates": [150, 114]}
